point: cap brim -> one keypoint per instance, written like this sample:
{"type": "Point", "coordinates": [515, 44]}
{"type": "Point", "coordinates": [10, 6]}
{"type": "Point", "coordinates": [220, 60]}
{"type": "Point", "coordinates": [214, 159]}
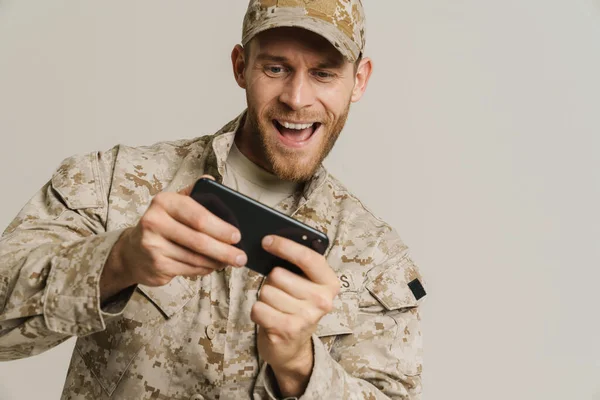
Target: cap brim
{"type": "Point", "coordinates": [339, 40]}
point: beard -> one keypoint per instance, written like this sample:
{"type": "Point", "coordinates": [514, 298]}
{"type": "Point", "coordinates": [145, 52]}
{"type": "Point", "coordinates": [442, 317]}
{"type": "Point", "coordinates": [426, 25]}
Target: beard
{"type": "Point", "coordinates": [285, 163]}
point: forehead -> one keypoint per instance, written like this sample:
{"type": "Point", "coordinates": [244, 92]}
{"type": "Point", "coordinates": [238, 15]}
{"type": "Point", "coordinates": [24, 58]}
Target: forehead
{"type": "Point", "coordinates": [298, 42]}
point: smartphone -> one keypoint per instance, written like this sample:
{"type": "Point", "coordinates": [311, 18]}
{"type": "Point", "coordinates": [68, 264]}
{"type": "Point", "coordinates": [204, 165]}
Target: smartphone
{"type": "Point", "coordinates": [255, 221]}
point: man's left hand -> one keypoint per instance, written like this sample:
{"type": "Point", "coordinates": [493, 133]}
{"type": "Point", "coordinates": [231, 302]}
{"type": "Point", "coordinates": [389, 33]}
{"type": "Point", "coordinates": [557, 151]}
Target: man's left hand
{"type": "Point", "coordinates": [288, 310]}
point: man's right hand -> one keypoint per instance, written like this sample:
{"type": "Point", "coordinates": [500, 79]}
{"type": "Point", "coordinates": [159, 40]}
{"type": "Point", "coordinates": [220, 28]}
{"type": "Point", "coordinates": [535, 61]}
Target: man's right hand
{"type": "Point", "coordinates": [176, 236]}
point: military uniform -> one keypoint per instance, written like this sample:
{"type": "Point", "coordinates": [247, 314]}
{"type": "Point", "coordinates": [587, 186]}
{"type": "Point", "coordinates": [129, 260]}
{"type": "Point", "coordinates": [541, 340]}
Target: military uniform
{"type": "Point", "coordinates": [193, 338]}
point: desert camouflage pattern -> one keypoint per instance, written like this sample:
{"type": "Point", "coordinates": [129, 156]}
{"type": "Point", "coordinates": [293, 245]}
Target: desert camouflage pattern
{"type": "Point", "coordinates": [341, 22]}
{"type": "Point", "coordinates": [193, 338]}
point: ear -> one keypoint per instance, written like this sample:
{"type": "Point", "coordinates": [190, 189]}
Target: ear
{"type": "Point", "coordinates": [239, 65]}
{"type": "Point", "coordinates": [361, 80]}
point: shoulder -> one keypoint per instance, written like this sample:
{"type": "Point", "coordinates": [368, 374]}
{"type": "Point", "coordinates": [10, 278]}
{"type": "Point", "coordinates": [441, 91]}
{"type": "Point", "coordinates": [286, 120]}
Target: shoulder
{"type": "Point", "coordinates": [353, 216]}
{"type": "Point", "coordinates": [83, 180]}
{"type": "Point", "coordinates": [368, 251]}
{"type": "Point", "coordinates": [173, 148]}
{"type": "Point", "coordinates": [83, 161]}
{"type": "Point", "coordinates": [350, 202]}
{"type": "Point", "coordinates": [178, 148]}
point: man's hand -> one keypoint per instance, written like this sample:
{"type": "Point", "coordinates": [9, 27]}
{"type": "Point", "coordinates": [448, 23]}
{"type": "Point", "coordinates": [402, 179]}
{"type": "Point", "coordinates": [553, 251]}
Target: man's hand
{"type": "Point", "coordinates": [288, 310]}
{"type": "Point", "coordinates": [176, 236]}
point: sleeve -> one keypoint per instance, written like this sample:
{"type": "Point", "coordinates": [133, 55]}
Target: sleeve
{"type": "Point", "coordinates": [51, 260]}
{"type": "Point", "coordinates": [382, 358]}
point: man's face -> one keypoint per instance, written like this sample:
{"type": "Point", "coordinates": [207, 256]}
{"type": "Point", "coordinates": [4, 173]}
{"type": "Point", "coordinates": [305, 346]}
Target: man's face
{"type": "Point", "coordinates": [299, 90]}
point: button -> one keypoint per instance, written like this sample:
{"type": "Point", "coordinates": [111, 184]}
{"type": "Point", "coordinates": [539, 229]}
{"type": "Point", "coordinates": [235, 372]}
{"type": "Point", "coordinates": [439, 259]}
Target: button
{"type": "Point", "coordinates": [197, 397]}
{"type": "Point", "coordinates": [211, 332]}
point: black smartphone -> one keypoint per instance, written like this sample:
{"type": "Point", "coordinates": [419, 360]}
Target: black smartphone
{"type": "Point", "coordinates": [255, 221]}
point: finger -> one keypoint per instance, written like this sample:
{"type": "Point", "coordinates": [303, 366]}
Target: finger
{"type": "Point", "coordinates": [179, 253]}
{"type": "Point", "coordinates": [280, 300]}
{"type": "Point", "coordinates": [187, 211]}
{"type": "Point", "coordinates": [293, 284]}
{"type": "Point", "coordinates": [268, 317]}
{"type": "Point", "coordinates": [177, 268]}
{"type": "Point", "coordinates": [309, 261]}
{"type": "Point", "coordinates": [196, 216]}
{"type": "Point", "coordinates": [203, 244]}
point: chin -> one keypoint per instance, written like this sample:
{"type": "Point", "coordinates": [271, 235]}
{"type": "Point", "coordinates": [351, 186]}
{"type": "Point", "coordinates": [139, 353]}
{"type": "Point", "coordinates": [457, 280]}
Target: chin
{"type": "Point", "coordinates": [293, 167]}
{"type": "Point", "coordinates": [292, 160]}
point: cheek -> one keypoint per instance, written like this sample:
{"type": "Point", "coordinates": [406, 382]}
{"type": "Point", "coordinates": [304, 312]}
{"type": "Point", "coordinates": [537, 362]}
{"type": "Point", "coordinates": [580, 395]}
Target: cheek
{"type": "Point", "coordinates": [335, 99]}
{"type": "Point", "coordinates": [335, 105]}
{"type": "Point", "coordinates": [261, 92]}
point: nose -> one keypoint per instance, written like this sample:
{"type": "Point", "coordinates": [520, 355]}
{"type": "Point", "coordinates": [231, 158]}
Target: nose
{"type": "Point", "coordinates": [298, 92]}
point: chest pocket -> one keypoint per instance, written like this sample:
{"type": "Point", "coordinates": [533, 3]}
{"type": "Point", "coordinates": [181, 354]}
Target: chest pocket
{"type": "Point", "coordinates": [77, 181]}
{"type": "Point", "coordinates": [340, 321]}
{"type": "Point", "coordinates": [343, 316]}
{"type": "Point", "coordinates": [108, 354]}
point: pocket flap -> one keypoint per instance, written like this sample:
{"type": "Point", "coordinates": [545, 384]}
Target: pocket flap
{"type": "Point", "coordinates": [109, 353]}
{"type": "Point", "coordinates": [399, 286]}
{"type": "Point", "coordinates": [171, 297]}
{"type": "Point", "coordinates": [77, 180]}
{"type": "Point", "coordinates": [341, 319]}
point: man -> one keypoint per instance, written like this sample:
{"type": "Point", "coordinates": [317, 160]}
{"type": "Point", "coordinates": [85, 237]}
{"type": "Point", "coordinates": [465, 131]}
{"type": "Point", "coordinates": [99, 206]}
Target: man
{"type": "Point", "coordinates": [113, 250]}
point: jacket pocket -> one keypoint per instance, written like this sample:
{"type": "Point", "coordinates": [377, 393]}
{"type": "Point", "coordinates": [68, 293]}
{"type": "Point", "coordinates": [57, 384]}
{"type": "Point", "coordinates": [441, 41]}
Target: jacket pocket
{"type": "Point", "coordinates": [108, 354]}
{"type": "Point", "coordinates": [341, 319]}
{"type": "Point", "coordinates": [77, 180]}
{"type": "Point", "coordinates": [398, 287]}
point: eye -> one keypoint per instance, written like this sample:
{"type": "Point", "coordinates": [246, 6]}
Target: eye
{"type": "Point", "coordinates": [275, 70]}
{"type": "Point", "coordinates": [323, 76]}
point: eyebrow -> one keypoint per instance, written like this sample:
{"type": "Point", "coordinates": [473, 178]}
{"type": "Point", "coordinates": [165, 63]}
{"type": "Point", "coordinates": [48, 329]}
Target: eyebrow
{"type": "Point", "coordinates": [270, 57]}
{"type": "Point", "coordinates": [328, 63]}
{"type": "Point", "coordinates": [331, 63]}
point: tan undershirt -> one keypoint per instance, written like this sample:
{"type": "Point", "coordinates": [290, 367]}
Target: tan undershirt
{"type": "Point", "coordinates": [243, 175]}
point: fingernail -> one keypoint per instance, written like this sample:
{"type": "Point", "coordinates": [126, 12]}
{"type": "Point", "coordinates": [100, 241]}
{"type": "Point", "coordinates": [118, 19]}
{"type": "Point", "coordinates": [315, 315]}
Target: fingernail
{"type": "Point", "coordinates": [235, 237]}
{"type": "Point", "coordinates": [241, 260]}
{"type": "Point", "coordinates": [268, 240]}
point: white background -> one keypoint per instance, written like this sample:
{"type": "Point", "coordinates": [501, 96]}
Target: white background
{"type": "Point", "coordinates": [477, 140]}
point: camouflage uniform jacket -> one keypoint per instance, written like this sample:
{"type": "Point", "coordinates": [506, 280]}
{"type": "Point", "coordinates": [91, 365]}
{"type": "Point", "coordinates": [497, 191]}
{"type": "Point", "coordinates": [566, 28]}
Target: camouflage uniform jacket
{"type": "Point", "coordinates": [193, 338]}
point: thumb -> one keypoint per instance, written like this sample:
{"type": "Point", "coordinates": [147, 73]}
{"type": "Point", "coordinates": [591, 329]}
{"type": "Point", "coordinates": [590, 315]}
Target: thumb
{"type": "Point", "coordinates": [188, 190]}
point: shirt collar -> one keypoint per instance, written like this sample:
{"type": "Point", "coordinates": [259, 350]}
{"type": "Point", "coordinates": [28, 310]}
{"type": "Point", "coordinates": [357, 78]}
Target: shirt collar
{"type": "Point", "coordinates": [220, 144]}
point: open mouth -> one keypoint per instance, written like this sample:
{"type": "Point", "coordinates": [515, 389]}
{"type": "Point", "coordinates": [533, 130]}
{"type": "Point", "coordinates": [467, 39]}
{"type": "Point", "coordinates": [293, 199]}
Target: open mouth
{"type": "Point", "coordinates": [296, 134]}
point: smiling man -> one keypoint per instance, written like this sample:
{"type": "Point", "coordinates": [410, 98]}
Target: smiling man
{"type": "Point", "coordinates": [299, 90]}
{"type": "Point", "coordinates": [113, 249]}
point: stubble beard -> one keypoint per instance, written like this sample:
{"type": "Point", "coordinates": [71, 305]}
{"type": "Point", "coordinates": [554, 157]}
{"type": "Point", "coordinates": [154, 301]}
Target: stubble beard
{"type": "Point", "coordinates": [286, 163]}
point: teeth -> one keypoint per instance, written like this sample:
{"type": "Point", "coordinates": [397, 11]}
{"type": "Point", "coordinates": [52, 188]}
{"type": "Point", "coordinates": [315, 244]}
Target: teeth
{"type": "Point", "coordinates": [295, 126]}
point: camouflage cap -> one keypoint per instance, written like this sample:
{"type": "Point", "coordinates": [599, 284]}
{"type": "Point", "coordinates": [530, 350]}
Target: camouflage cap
{"type": "Point", "coordinates": [341, 22]}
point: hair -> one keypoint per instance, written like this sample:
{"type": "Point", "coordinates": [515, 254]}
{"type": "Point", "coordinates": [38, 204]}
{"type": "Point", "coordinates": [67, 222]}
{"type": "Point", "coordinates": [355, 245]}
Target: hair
{"type": "Point", "coordinates": [357, 62]}
{"type": "Point", "coordinates": [247, 56]}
